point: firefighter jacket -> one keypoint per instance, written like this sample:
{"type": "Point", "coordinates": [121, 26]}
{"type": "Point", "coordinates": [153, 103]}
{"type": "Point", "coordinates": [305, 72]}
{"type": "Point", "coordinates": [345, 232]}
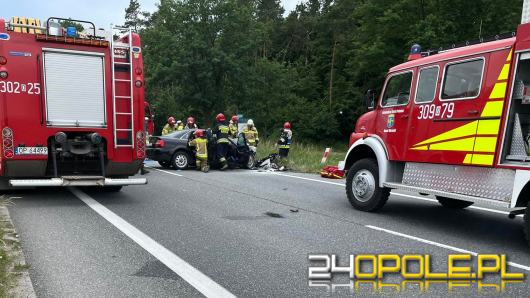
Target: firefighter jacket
{"type": "Point", "coordinates": [251, 134]}
{"type": "Point", "coordinates": [221, 132]}
{"type": "Point", "coordinates": [286, 138]}
{"type": "Point", "coordinates": [192, 126]}
{"type": "Point", "coordinates": [201, 146]}
{"type": "Point", "coordinates": [168, 129]}
{"type": "Point", "coordinates": [180, 127]}
{"type": "Point", "coordinates": [234, 129]}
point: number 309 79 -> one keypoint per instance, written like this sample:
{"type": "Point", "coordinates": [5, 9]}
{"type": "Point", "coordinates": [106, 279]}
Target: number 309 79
{"type": "Point", "coordinates": [446, 110]}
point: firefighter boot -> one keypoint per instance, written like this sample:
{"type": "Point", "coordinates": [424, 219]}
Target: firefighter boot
{"type": "Point", "coordinates": [223, 164]}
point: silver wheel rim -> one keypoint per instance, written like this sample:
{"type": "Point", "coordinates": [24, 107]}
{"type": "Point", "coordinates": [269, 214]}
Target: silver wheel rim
{"type": "Point", "coordinates": [363, 185]}
{"type": "Point", "coordinates": [181, 161]}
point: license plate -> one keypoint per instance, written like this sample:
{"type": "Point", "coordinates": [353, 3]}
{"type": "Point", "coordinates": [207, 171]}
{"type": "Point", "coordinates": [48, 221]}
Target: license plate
{"type": "Point", "coordinates": [31, 151]}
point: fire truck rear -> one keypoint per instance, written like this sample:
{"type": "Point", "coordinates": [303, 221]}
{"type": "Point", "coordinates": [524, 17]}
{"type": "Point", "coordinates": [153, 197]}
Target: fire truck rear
{"type": "Point", "coordinates": [71, 105]}
{"type": "Point", "coordinates": [452, 123]}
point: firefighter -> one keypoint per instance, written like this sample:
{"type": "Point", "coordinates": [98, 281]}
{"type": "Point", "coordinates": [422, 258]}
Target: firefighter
{"type": "Point", "coordinates": [180, 125]}
{"type": "Point", "coordinates": [234, 127]}
{"type": "Point", "coordinates": [170, 126]}
{"type": "Point", "coordinates": [190, 123]}
{"type": "Point", "coordinates": [285, 141]}
{"type": "Point", "coordinates": [251, 134]}
{"type": "Point", "coordinates": [201, 150]}
{"type": "Point", "coordinates": [221, 132]}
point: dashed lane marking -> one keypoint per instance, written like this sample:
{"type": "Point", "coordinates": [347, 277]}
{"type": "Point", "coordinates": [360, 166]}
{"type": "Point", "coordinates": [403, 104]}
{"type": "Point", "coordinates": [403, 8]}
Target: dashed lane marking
{"type": "Point", "coordinates": [194, 277]}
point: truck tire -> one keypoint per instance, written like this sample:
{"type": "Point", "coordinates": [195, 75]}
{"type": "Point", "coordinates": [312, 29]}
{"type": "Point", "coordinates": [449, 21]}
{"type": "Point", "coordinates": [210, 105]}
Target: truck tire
{"type": "Point", "coordinates": [362, 186]}
{"type": "Point", "coordinates": [453, 203]}
{"type": "Point", "coordinates": [180, 160]}
{"type": "Point", "coordinates": [526, 224]}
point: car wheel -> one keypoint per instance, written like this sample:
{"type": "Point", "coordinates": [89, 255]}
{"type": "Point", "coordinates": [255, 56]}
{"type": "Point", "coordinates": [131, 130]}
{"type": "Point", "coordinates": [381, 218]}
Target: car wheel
{"type": "Point", "coordinates": [251, 163]}
{"type": "Point", "coordinates": [180, 160]}
{"type": "Point", "coordinates": [362, 186]}
{"type": "Point", "coordinates": [165, 164]}
{"type": "Point", "coordinates": [453, 203]}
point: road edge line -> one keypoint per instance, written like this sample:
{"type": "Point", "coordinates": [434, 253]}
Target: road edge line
{"type": "Point", "coordinates": [204, 284]}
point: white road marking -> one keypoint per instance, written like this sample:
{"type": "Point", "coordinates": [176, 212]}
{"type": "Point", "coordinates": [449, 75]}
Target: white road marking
{"type": "Point", "coordinates": [453, 248]}
{"type": "Point", "coordinates": [167, 172]}
{"type": "Point", "coordinates": [194, 277]}
{"type": "Point", "coordinates": [399, 194]}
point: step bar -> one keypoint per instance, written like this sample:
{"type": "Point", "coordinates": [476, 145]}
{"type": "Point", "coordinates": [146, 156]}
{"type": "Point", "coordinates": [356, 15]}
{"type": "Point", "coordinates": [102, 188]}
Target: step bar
{"type": "Point", "coordinates": [446, 194]}
{"type": "Point", "coordinates": [76, 181]}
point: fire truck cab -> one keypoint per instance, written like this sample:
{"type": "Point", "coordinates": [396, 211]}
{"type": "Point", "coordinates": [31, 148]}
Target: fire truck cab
{"type": "Point", "coordinates": [450, 123]}
{"type": "Point", "coordinates": [71, 104]}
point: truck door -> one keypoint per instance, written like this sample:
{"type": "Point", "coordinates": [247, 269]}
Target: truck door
{"type": "Point", "coordinates": [393, 114]}
{"type": "Point", "coordinates": [452, 118]}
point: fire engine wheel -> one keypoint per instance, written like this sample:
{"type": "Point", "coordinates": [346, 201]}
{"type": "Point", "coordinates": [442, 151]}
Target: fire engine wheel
{"type": "Point", "coordinates": [453, 203]}
{"type": "Point", "coordinates": [362, 186]}
{"type": "Point", "coordinates": [180, 160]}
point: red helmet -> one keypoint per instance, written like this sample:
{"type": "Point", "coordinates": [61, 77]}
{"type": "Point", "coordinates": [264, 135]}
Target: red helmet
{"type": "Point", "coordinates": [171, 120]}
{"type": "Point", "coordinates": [287, 125]}
{"type": "Point", "coordinates": [234, 118]}
{"type": "Point", "coordinates": [191, 120]}
{"type": "Point", "coordinates": [199, 133]}
{"type": "Point", "coordinates": [220, 117]}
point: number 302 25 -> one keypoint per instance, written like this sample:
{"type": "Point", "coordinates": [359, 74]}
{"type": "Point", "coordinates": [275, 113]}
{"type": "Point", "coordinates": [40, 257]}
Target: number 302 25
{"type": "Point", "coordinates": [17, 87]}
{"type": "Point", "coordinates": [446, 110]}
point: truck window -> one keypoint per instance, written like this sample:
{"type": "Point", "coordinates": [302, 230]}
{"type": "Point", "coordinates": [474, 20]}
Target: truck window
{"type": "Point", "coordinates": [427, 84]}
{"type": "Point", "coordinates": [397, 91]}
{"type": "Point", "coordinates": [462, 80]}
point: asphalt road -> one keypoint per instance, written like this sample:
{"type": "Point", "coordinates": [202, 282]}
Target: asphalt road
{"type": "Point", "coordinates": [245, 233]}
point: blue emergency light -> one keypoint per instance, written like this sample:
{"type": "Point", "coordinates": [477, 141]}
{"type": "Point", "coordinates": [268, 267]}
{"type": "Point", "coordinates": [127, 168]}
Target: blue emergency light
{"type": "Point", "coordinates": [71, 31]}
{"type": "Point", "coordinates": [415, 49]}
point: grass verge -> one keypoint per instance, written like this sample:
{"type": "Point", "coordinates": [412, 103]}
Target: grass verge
{"type": "Point", "coordinates": [303, 157]}
{"type": "Point", "coordinates": [5, 276]}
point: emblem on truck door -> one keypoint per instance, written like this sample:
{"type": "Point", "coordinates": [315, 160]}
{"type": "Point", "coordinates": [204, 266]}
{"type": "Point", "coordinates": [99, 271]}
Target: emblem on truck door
{"type": "Point", "coordinates": [391, 120]}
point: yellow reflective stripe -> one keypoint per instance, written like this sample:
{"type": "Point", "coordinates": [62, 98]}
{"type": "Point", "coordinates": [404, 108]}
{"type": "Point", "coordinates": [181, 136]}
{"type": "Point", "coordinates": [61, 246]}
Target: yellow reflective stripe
{"type": "Point", "coordinates": [504, 72]}
{"type": "Point", "coordinates": [456, 145]}
{"type": "Point", "coordinates": [462, 131]}
{"type": "Point", "coordinates": [509, 56]}
{"type": "Point", "coordinates": [492, 109]}
{"type": "Point", "coordinates": [482, 159]}
{"type": "Point", "coordinates": [467, 160]}
{"type": "Point", "coordinates": [499, 90]}
{"type": "Point", "coordinates": [485, 144]}
{"type": "Point", "coordinates": [488, 127]}
{"type": "Point", "coordinates": [421, 148]}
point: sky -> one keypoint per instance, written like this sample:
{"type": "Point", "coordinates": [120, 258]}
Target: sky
{"type": "Point", "coordinates": [101, 12]}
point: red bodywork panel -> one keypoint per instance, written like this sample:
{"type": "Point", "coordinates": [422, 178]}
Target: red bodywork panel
{"type": "Point", "coordinates": [24, 111]}
{"type": "Point", "coordinates": [465, 131]}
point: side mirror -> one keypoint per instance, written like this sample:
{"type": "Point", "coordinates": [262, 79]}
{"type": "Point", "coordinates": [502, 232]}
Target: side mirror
{"type": "Point", "coordinates": [369, 99]}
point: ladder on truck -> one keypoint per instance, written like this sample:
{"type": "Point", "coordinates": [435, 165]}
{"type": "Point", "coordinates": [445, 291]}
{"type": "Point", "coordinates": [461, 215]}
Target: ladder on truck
{"type": "Point", "coordinates": [122, 90]}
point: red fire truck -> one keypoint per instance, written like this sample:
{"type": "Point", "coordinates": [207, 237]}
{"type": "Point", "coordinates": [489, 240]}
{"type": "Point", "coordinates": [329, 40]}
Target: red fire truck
{"type": "Point", "coordinates": [71, 105]}
{"type": "Point", "coordinates": [450, 123]}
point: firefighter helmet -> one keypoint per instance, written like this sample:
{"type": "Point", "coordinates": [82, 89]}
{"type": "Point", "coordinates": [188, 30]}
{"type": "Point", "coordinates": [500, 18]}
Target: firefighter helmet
{"type": "Point", "coordinates": [179, 122]}
{"type": "Point", "coordinates": [199, 133]}
{"type": "Point", "coordinates": [250, 122]}
{"type": "Point", "coordinates": [234, 119]}
{"type": "Point", "coordinates": [287, 125]}
{"type": "Point", "coordinates": [171, 120]}
{"type": "Point", "coordinates": [220, 117]}
{"type": "Point", "coordinates": [191, 120]}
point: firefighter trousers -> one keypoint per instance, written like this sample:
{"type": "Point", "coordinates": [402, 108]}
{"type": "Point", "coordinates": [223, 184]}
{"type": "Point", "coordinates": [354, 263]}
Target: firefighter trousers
{"type": "Point", "coordinates": [202, 163]}
{"type": "Point", "coordinates": [222, 151]}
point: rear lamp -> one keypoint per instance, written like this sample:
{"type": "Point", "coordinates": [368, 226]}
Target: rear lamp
{"type": "Point", "coordinates": [8, 143]}
{"type": "Point", "coordinates": [95, 138]}
{"type": "Point", "coordinates": [60, 137]}
{"type": "Point", "coordinates": [3, 60]}
{"type": "Point", "coordinates": [160, 143]}
{"type": "Point", "coordinates": [3, 75]}
{"type": "Point", "coordinates": [8, 153]}
{"type": "Point", "coordinates": [140, 154]}
{"type": "Point", "coordinates": [139, 71]}
{"type": "Point", "coordinates": [138, 83]}
{"type": "Point", "coordinates": [7, 132]}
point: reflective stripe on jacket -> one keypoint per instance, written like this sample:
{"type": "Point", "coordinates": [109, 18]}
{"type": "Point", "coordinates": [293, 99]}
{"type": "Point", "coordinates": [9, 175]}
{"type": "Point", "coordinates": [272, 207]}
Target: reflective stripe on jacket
{"type": "Point", "coordinates": [168, 129]}
{"type": "Point", "coordinates": [222, 131]}
{"type": "Point", "coordinates": [233, 130]}
{"type": "Point", "coordinates": [286, 138]}
{"type": "Point", "coordinates": [201, 145]}
{"type": "Point", "coordinates": [251, 135]}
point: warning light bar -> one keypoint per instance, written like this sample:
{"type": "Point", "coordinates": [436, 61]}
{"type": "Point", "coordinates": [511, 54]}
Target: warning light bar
{"type": "Point", "coordinates": [72, 40]}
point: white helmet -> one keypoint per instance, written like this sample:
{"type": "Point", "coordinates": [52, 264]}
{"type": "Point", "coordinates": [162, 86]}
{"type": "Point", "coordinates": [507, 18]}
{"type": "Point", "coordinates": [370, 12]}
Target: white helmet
{"type": "Point", "coordinates": [250, 122]}
{"type": "Point", "coordinates": [179, 122]}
